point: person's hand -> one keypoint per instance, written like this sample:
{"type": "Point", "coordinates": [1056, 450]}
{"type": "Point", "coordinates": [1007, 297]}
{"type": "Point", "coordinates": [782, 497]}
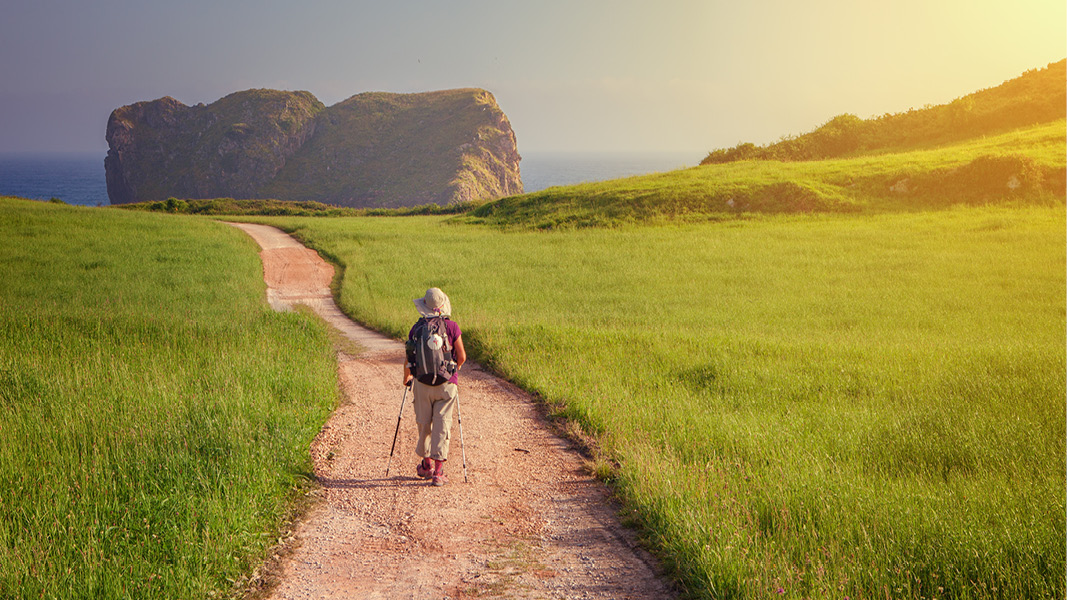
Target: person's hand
{"type": "Point", "coordinates": [408, 378]}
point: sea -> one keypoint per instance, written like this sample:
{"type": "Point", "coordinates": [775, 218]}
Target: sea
{"type": "Point", "coordinates": [79, 178]}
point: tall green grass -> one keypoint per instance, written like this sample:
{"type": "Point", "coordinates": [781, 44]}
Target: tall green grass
{"type": "Point", "coordinates": [818, 406]}
{"type": "Point", "coordinates": [155, 414]}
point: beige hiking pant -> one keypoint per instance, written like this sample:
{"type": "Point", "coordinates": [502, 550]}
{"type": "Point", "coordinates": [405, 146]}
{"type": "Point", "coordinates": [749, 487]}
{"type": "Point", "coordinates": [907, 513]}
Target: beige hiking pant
{"type": "Point", "coordinates": [433, 415]}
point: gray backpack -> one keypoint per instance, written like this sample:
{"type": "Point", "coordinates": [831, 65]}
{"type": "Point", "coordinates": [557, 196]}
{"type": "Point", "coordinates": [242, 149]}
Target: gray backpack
{"type": "Point", "coordinates": [429, 352]}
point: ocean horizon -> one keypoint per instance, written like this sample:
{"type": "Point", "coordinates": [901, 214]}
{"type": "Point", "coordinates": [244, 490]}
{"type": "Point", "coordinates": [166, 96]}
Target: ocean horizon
{"type": "Point", "coordinates": [79, 178]}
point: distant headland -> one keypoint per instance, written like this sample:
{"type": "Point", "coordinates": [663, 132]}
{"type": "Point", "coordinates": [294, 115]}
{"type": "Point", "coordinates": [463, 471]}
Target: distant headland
{"type": "Point", "coordinates": [371, 150]}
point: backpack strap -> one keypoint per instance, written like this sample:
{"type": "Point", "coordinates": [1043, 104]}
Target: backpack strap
{"type": "Point", "coordinates": [448, 341]}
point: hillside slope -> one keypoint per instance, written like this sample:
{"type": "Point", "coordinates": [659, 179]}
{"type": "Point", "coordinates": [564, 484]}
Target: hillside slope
{"type": "Point", "coordinates": [1005, 145]}
{"type": "Point", "coordinates": [372, 150]}
{"type": "Point", "coordinates": [1038, 96]}
{"type": "Point", "coordinates": [1022, 167]}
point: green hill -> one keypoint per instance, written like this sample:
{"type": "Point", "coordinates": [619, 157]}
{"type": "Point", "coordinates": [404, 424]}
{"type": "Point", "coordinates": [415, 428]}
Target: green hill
{"type": "Point", "coordinates": [1038, 96]}
{"type": "Point", "coordinates": [1021, 167]}
{"type": "Point", "coordinates": [1004, 145]}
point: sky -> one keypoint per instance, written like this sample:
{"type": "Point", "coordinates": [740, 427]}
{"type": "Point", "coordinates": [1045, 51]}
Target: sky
{"type": "Point", "coordinates": [572, 76]}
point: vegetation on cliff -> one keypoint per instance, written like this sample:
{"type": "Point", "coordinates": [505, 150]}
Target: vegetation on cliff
{"type": "Point", "coordinates": [372, 150]}
{"type": "Point", "coordinates": [286, 208]}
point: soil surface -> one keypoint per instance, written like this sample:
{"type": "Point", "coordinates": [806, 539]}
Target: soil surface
{"type": "Point", "coordinates": [525, 519]}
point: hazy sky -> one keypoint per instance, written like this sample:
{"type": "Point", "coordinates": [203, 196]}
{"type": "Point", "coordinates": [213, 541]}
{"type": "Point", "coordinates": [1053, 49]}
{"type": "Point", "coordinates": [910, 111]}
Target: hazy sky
{"type": "Point", "coordinates": [620, 75]}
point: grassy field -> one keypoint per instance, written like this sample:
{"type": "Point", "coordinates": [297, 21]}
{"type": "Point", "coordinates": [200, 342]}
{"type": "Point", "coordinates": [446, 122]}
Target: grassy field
{"type": "Point", "coordinates": [154, 413]}
{"type": "Point", "coordinates": [793, 406]}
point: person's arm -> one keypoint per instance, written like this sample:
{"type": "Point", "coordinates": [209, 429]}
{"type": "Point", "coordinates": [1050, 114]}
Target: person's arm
{"type": "Point", "coordinates": [407, 370]}
{"type": "Point", "coordinates": [460, 354]}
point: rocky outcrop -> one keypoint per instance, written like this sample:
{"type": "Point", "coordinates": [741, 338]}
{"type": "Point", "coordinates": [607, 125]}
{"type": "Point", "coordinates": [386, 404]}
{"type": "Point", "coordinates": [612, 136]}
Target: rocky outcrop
{"type": "Point", "coordinates": [372, 150]}
{"type": "Point", "coordinates": [232, 147]}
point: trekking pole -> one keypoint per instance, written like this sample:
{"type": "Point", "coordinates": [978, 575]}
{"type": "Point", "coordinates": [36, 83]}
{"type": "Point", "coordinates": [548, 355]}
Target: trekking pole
{"type": "Point", "coordinates": [462, 450]}
{"type": "Point", "coordinates": [393, 449]}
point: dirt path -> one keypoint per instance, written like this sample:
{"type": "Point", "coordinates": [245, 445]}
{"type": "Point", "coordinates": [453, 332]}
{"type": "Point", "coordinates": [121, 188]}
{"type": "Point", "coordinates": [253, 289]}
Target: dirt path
{"type": "Point", "coordinates": [529, 523]}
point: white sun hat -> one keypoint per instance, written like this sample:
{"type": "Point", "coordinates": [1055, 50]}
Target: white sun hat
{"type": "Point", "coordinates": [434, 304]}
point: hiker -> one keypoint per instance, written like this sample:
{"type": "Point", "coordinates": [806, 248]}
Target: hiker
{"type": "Point", "coordinates": [434, 356]}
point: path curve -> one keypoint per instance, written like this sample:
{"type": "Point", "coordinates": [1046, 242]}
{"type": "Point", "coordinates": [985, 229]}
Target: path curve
{"type": "Point", "coordinates": [529, 523]}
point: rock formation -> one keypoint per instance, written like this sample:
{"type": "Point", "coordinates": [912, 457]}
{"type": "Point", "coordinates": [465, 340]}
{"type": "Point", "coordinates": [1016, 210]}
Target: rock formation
{"type": "Point", "coordinates": [372, 150]}
{"type": "Point", "coordinates": [232, 147]}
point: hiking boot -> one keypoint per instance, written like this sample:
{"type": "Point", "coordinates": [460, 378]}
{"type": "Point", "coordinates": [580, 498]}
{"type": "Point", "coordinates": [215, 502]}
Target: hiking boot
{"type": "Point", "coordinates": [439, 478]}
{"type": "Point", "coordinates": [424, 469]}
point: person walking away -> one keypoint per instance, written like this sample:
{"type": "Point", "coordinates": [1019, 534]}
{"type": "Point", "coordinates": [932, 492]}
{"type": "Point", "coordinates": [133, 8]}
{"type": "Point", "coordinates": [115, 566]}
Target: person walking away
{"type": "Point", "coordinates": [435, 354]}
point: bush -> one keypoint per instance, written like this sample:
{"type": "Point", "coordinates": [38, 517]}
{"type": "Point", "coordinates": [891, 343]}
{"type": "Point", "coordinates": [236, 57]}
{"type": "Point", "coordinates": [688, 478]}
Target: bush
{"type": "Point", "coordinates": [175, 205]}
{"type": "Point", "coordinates": [746, 151]}
{"type": "Point", "coordinates": [986, 179]}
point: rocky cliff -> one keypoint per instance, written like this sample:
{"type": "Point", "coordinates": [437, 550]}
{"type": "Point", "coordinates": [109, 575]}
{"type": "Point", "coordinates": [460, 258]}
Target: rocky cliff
{"type": "Point", "coordinates": [372, 150]}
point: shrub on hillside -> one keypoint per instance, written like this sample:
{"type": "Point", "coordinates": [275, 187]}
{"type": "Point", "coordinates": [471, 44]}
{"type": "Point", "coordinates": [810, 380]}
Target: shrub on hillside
{"type": "Point", "coordinates": [745, 151]}
{"type": "Point", "coordinates": [985, 180]}
{"type": "Point", "coordinates": [175, 205]}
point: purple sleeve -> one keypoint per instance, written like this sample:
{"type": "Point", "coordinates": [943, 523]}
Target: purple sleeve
{"type": "Point", "coordinates": [453, 331]}
{"type": "Point", "coordinates": [453, 334]}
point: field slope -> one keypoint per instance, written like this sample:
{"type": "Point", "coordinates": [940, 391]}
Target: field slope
{"type": "Point", "coordinates": [1026, 166]}
{"type": "Point", "coordinates": [155, 414]}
